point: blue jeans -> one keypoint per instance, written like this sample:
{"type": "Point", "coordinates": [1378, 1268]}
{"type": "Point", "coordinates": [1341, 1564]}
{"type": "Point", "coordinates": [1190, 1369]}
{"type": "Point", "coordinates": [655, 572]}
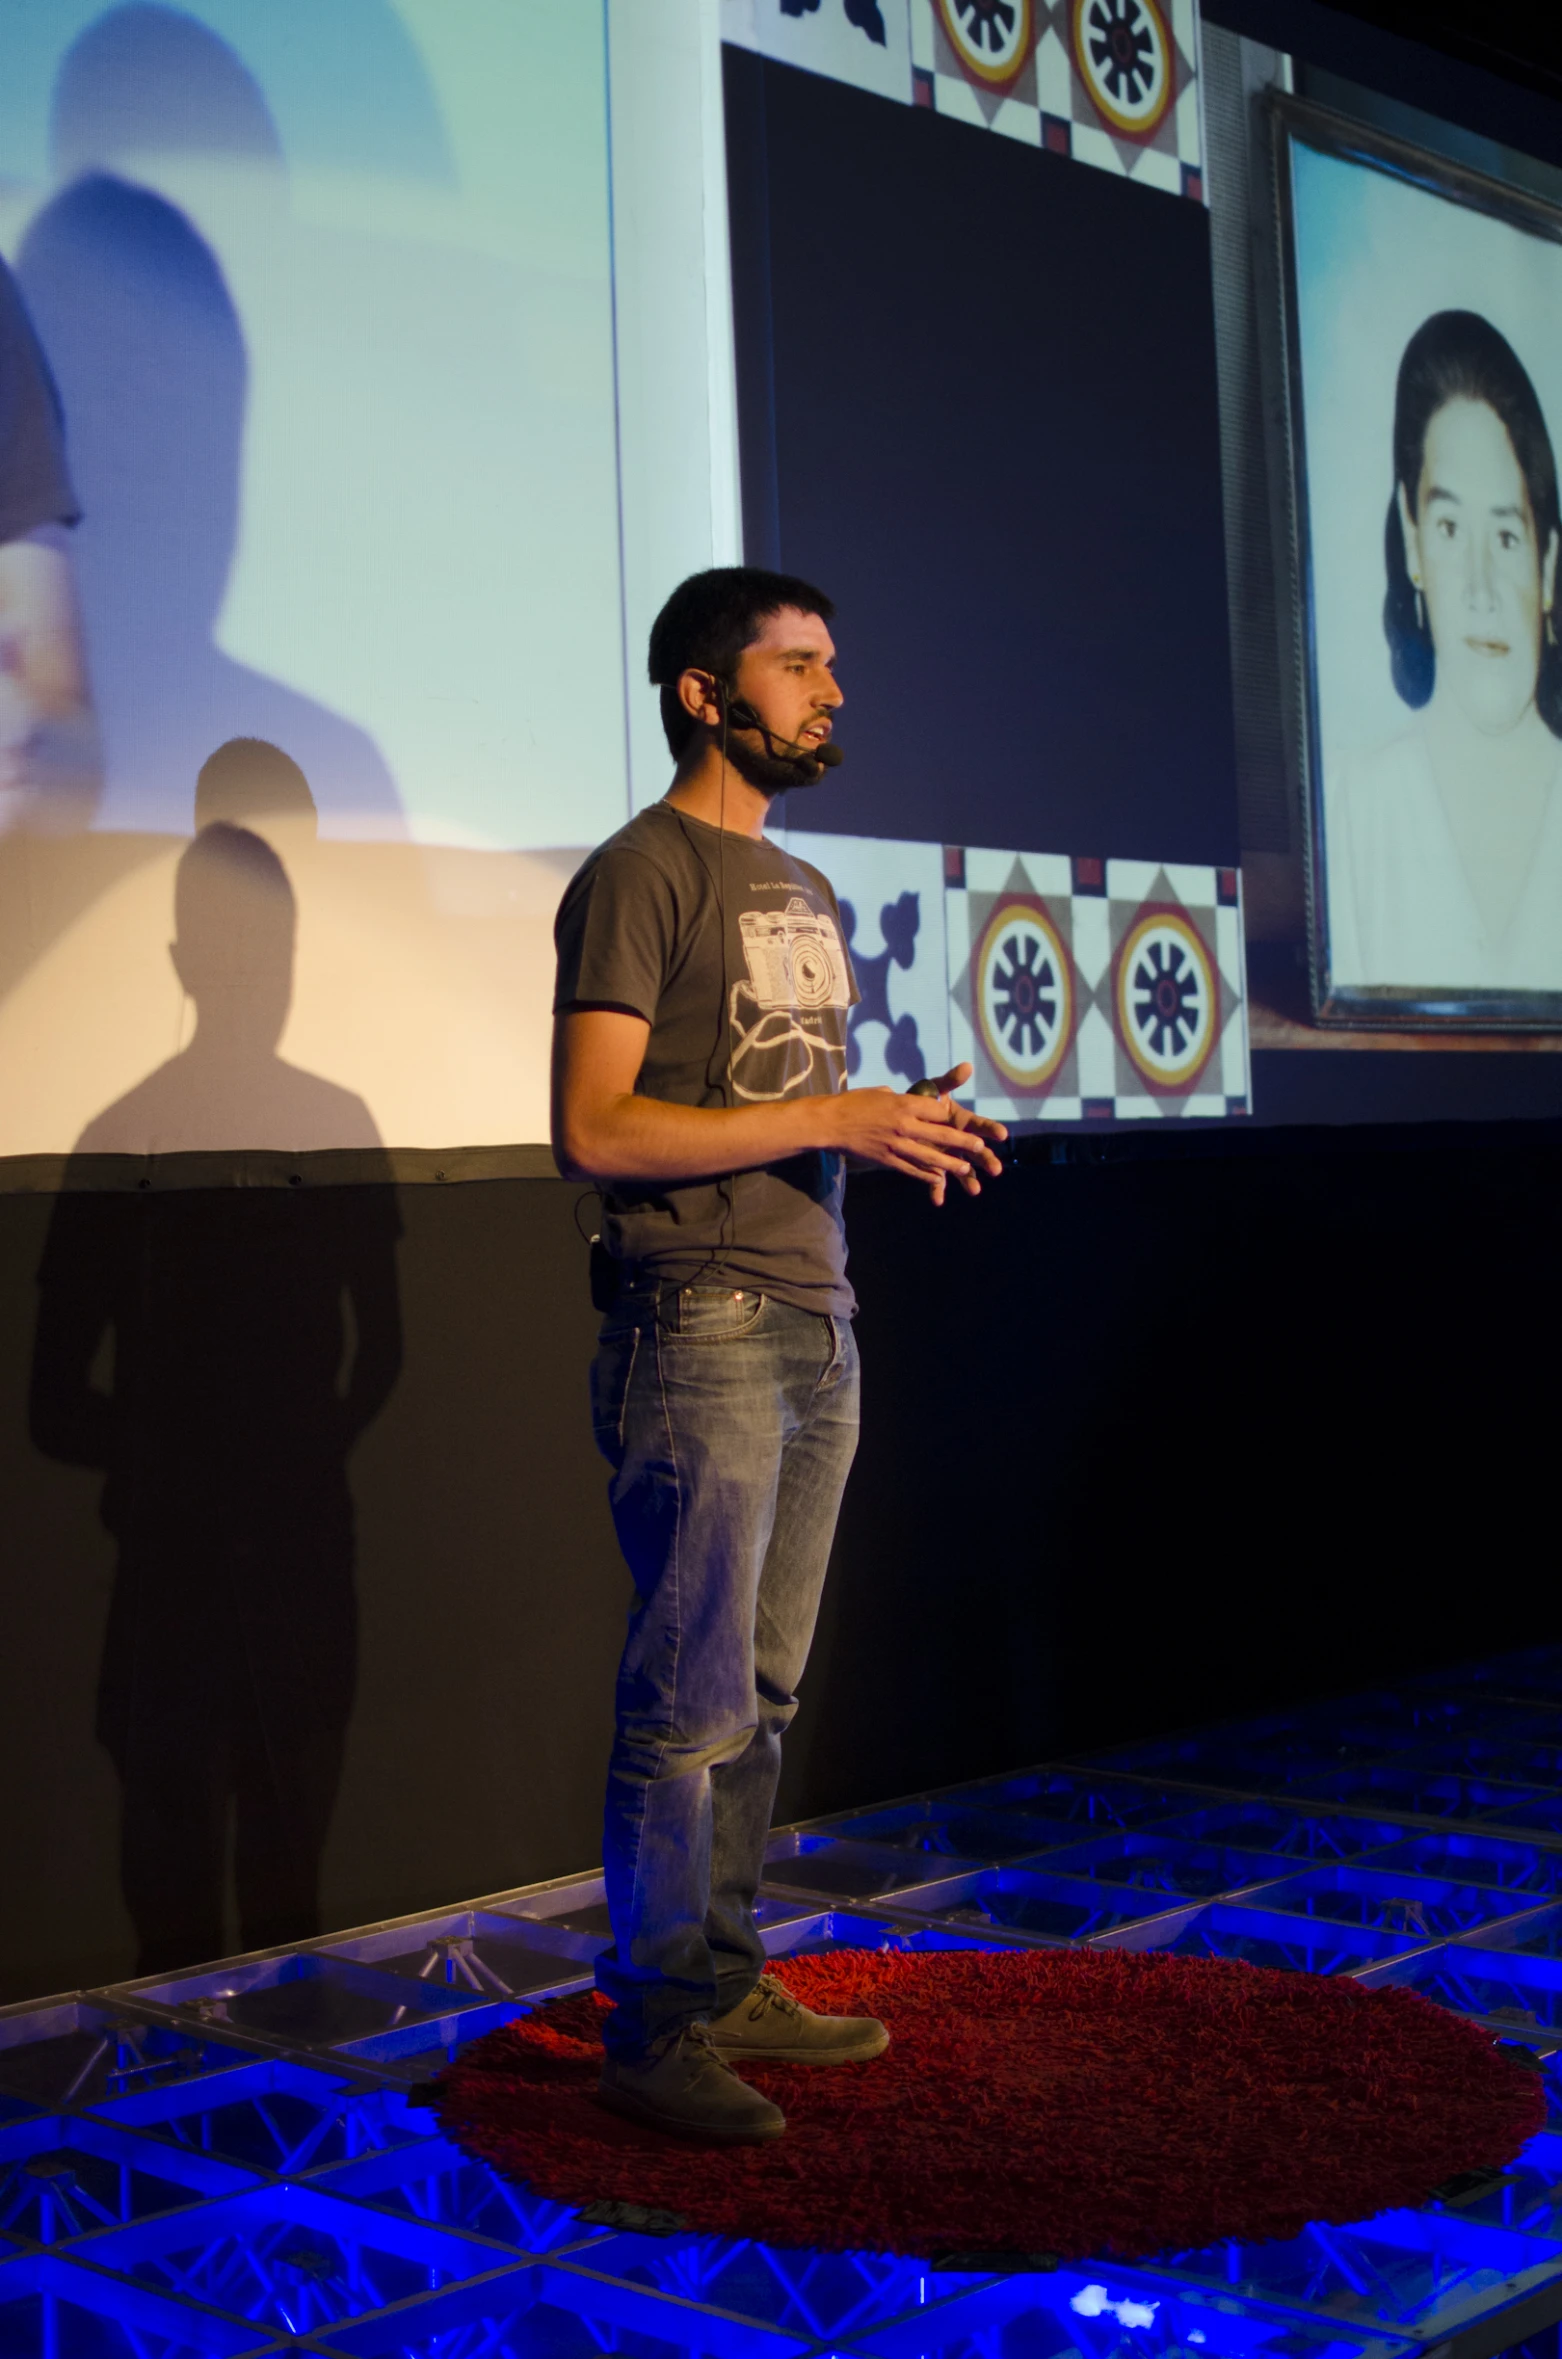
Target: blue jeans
{"type": "Point", "coordinates": [729, 1420]}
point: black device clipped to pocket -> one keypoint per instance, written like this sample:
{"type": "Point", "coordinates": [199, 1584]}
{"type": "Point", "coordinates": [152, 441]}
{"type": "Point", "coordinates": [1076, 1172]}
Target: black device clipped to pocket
{"type": "Point", "coordinates": [606, 1278]}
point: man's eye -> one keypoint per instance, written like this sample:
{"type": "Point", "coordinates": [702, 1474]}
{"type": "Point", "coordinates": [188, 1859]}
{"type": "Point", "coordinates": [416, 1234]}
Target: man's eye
{"type": "Point", "coordinates": [1447, 527]}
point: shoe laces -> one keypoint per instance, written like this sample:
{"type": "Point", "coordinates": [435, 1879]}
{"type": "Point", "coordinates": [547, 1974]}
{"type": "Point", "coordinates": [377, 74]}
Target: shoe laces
{"type": "Point", "coordinates": [767, 1994]}
{"type": "Point", "coordinates": [696, 2036]}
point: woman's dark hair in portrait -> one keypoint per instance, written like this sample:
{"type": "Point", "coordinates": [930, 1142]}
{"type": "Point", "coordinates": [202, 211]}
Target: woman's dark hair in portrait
{"type": "Point", "coordinates": [1458, 356]}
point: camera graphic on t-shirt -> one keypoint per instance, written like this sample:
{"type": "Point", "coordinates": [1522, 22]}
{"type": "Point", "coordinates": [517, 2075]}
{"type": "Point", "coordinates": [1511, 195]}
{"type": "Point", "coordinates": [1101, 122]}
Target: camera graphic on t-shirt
{"type": "Point", "coordinates": [795, 959]}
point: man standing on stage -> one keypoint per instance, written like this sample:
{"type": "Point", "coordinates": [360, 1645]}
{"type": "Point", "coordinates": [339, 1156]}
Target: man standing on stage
{"type": "Point", "coordinates": [699, 1080]}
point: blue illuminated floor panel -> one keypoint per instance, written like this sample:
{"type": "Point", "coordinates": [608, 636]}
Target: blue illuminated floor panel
{"type": "Point", "coordinates": [226, 2160]}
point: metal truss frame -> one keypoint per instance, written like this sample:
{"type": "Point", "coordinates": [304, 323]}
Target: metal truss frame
{"type": "Point", "coordinates": [226, 2160]}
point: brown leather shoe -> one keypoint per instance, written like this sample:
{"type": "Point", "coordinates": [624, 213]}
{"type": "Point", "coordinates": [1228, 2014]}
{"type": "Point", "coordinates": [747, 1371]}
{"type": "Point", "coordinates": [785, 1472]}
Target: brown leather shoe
{"type": "Point", "coordinates": [771, 2027]}
{"type": "Point", "coordinates": [683, 2086]}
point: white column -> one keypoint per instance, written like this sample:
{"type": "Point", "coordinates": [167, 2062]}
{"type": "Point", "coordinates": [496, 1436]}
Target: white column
{"type": "Point", "coordinates": [679, 502]}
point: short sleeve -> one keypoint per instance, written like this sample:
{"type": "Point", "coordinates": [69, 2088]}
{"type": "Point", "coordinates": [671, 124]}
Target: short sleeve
{"type": "Point", "coordinates": [35, 485]}
{"type": "Point", "coordinates": [614, 934]}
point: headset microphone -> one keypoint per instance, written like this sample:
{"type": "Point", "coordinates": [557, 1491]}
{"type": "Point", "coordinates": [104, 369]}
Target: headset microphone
{"type": "Point", "coordinates": [806, 763]}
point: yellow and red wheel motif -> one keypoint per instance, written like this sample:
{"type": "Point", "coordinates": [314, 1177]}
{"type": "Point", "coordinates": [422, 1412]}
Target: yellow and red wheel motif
{"type": "Point", "coordinates": [992, 39]}
{"type": "Point", "coordinates": [1124, 56]}
{"type": "Point", "coordinates": [1167, 999]}
{"type": "Point", "coordinates": [1022, 992]}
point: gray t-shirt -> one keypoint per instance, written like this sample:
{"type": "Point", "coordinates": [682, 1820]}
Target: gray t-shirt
{"type": "Point", "coordinates": [766, 1022]}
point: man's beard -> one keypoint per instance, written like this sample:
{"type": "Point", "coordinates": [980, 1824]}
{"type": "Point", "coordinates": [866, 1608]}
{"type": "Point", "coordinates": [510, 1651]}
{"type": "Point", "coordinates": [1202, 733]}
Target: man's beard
{"type": "Point", "coordinates": [772, 773]}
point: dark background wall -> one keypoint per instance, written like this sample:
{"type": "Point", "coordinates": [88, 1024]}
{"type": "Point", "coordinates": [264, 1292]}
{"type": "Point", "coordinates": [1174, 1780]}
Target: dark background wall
{"type": "Point", "coordinates": [1149, 1439]}
{"type": "Point", "coordinates": [488, 1593]}
{"type": "Point", "coordinates": [1494, 66]}
{"type": "Point", "coordinates": [977, 402]}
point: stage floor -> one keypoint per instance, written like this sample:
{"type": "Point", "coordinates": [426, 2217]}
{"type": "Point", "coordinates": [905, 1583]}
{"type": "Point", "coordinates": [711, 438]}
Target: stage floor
{"type": "Point", "coordinates": [226, 2161]}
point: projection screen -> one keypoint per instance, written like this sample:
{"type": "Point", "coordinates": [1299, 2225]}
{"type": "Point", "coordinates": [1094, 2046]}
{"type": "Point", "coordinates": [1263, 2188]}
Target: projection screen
{"type": "Point", "coordinates": [366, 325]}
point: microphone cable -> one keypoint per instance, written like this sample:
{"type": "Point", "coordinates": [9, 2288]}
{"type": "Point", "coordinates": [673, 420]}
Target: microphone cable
{"type": "Point", "coordinates": [726, 1185]}
{"type": "Point", "coordinates": [724, 1035]}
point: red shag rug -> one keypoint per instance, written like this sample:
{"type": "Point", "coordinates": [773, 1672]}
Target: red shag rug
{"type": "Point", "coordinates": [1032, 2102]}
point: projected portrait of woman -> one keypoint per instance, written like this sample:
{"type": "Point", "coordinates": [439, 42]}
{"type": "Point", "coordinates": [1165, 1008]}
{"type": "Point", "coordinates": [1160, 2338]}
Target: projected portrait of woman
{"type": "Point", "coordinates": [1445, 843]}
{"type": "Point", "coordinates": [50, 757]}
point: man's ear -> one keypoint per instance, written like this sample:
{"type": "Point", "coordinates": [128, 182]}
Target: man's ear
{"type": "Point", "coordinates": [697, 695]}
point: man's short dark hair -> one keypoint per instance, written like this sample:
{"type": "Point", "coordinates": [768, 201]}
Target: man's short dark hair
{"type": "Point", "coordinates": [706, 624]}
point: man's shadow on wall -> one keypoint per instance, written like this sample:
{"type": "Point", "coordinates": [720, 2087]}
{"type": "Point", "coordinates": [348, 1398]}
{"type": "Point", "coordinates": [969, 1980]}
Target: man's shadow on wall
{"type": "Point", "coordinates": [147, 349]}
{"type": "Point", "coordinates": [217, 1351]}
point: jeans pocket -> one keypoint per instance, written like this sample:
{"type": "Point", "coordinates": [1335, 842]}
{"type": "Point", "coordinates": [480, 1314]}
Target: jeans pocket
{"type": "Point", "coordinates": [710, 1314]}
{"type": "Point", "coordinates": [611, 1372]}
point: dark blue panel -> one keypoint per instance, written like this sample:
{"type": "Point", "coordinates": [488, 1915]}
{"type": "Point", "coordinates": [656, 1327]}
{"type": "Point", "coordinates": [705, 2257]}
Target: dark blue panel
{"type": "Point", "coordinates": [978, 407]}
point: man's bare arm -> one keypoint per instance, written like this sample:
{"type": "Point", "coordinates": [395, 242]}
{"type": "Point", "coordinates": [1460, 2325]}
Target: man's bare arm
{"type": "Point", "coordinates": [603, 1132]}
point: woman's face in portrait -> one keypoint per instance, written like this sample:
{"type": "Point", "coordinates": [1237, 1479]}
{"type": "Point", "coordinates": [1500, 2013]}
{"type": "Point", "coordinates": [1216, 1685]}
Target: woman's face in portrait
{"type": "Point", "coordinates": [1471, 550]}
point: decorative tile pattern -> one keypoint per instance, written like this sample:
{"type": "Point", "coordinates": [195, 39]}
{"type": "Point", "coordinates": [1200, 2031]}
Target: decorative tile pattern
{"type": "Point", "coordinates": [1096, 989]}
{"type": "Point", "coordinates": [864, 42]}
{"type": "Point", "coordinates": [1019, 984]}
{"type": "Point", "coordinates": [1174, 989]}
{"type": "Point", "coordinates": [1079, 988]}
{"type": "Point", "coordinates": [1111, 83]}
